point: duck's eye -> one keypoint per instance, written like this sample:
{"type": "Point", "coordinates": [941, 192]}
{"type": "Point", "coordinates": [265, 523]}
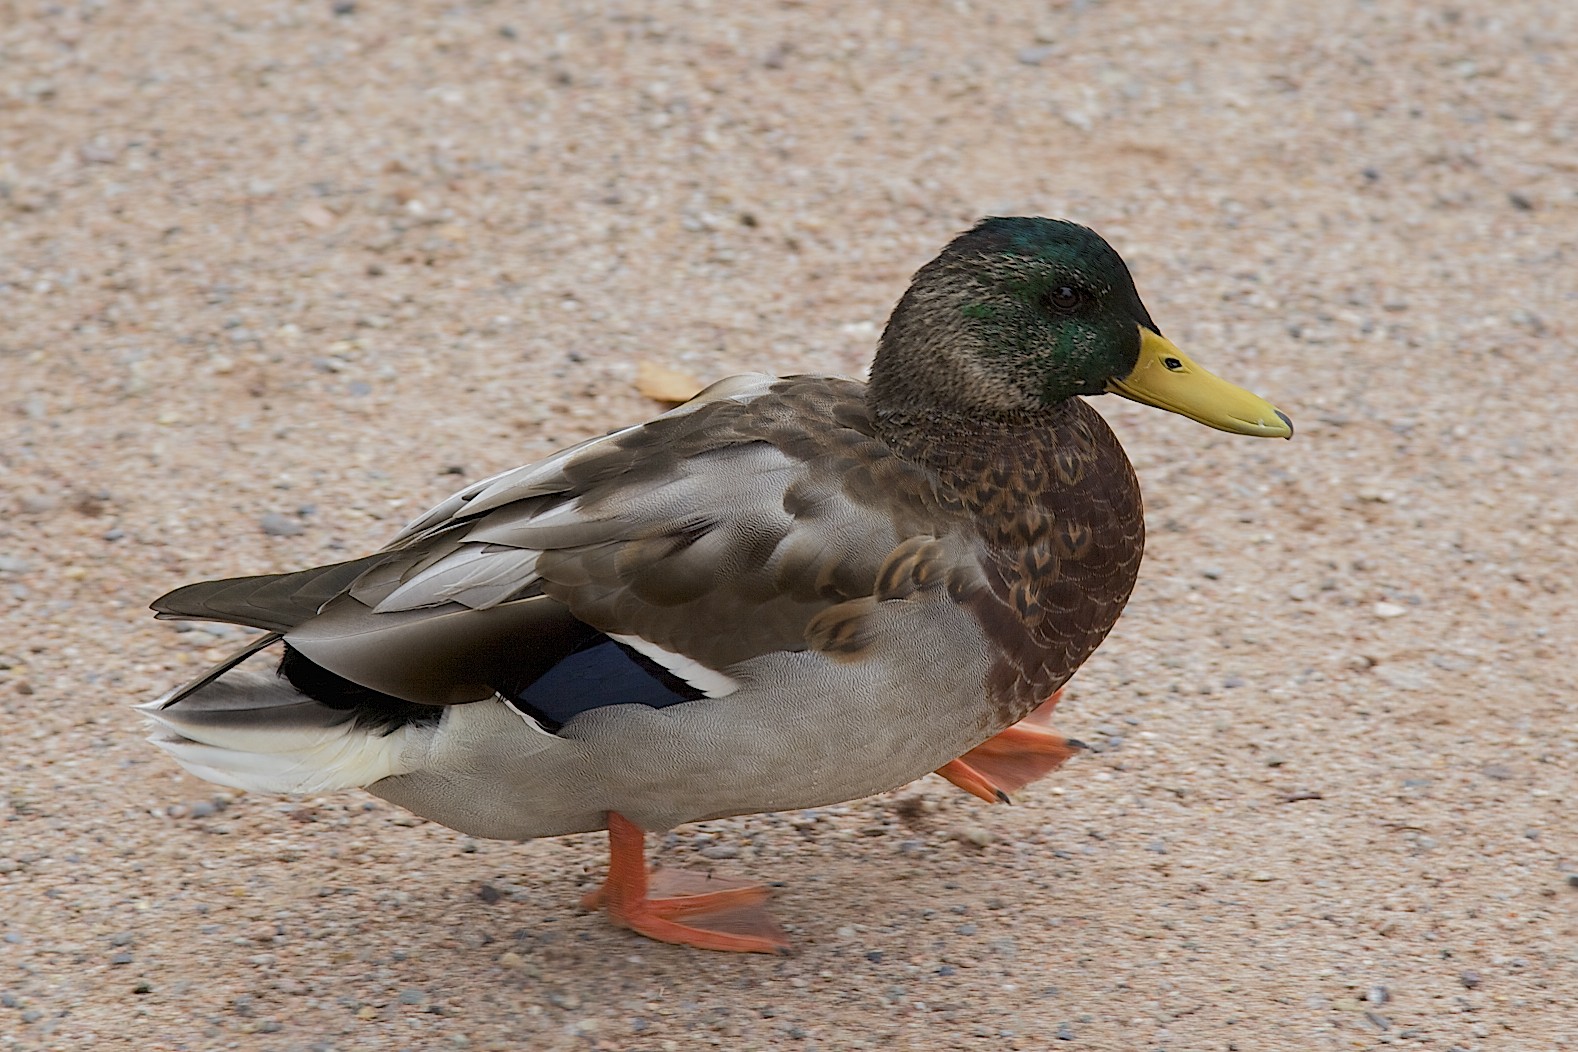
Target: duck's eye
{"type": "Point", "coordinates": [1173, 363]}
{"type": "Point", "coordinates": [1065, 298]}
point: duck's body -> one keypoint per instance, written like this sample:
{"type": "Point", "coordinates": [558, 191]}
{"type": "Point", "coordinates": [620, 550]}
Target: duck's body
{"type": "Point", "coordinates": [786, 593]}
{"type": "Point", "coordinates": [920, 630]}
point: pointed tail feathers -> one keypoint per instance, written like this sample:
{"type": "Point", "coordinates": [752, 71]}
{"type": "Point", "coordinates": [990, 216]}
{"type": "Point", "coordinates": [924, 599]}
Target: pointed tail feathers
{"type": "Point", "coordinates": [278, 601]}
{"type": "Point", "coordinates": [253, 731]}
{"type": "Point", "coordinates": [252, 646]}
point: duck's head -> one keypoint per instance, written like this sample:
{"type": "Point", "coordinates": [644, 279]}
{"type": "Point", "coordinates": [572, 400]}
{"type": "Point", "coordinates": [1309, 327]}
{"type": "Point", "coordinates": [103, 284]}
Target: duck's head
{"type": "Point", "coordinates": [1018, 315]}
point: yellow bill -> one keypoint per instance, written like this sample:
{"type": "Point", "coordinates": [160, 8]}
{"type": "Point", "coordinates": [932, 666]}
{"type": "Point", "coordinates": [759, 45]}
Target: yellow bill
{"type": "Point", "coordinates": [1165, 378]}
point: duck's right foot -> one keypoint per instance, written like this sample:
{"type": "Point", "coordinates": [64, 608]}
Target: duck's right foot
{"type": "Point", "coordinates": [673, 905]}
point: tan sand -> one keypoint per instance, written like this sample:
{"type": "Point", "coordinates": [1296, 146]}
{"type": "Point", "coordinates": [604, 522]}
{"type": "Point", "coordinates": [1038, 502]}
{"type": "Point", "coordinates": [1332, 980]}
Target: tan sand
{"type": "Point", "coordinates": [273, 279]}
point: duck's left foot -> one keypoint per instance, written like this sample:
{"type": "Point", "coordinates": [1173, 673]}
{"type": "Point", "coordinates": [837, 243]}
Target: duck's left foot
{"type": "Point", "coordinates": [1011, 760]}
{"type": "Point", "coordinates": [673, 905]}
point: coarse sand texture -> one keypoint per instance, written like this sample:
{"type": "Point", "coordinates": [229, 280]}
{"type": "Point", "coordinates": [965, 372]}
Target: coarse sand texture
{"type": "Point", "coordinates": [277, 277]}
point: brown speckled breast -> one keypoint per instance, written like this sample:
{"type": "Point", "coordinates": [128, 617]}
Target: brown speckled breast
{"type": "Point", "coordinates": [1056, 507]}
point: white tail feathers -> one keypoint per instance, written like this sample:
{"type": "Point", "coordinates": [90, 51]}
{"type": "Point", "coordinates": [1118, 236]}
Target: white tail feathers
{"type": "Point", "coordinates": [257, 733]}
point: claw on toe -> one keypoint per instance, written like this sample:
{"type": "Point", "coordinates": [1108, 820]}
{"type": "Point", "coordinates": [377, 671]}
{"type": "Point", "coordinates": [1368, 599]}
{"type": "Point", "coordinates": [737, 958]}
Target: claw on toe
{"type": "Point", "coordinates": [1014, 758]}
{"type": "Point", "coordinates": [672, 905]}
{"type": "Point", "coordinates": [973, 781]}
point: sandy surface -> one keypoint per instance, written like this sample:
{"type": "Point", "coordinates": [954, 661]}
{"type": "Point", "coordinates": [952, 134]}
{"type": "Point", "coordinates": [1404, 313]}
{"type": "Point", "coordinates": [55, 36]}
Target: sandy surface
{"type": "Point", "coordinates": [273, 279]}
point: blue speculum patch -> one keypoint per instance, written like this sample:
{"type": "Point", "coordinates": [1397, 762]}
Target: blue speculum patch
{"type": "Point", "coordinates": [600, 674]}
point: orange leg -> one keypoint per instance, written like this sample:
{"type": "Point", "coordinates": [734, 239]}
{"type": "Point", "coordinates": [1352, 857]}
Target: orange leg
{"type": "Point", "coordinates": [1011, 760]}
{"type": "Point", "coordinates": [691, 909]}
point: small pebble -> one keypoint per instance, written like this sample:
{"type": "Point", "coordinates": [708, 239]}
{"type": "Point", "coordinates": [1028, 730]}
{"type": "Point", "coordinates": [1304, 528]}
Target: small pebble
{"type": "Point", "coordinates": [975, 836]}
{"type": "Point", "coordinates": [720, 851]}
{"type": "Point", "coordinates": [1378, 995]}
{"type": "Point", "coordinates": [276, 525]}
{"type": "Point", "coordinates": [489, 894]}
{"type": "Point", "coordinates": [412, 997]}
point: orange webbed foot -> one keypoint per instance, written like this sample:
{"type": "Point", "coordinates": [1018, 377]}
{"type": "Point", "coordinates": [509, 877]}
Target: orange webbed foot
{"type": "Point", "coordinates": [1014, 758]}
{"type": "Point", "coordinates": [672, 905]}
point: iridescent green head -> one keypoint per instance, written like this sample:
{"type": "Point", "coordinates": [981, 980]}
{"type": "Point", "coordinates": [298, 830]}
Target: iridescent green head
{"type": "Point", "coordinates": [1019, 314]}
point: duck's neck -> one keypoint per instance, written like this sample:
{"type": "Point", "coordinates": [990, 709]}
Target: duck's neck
{"type": "Point", "coordinates": [943, 353]}
{"type": "Point", "coordinates": [958, 447]}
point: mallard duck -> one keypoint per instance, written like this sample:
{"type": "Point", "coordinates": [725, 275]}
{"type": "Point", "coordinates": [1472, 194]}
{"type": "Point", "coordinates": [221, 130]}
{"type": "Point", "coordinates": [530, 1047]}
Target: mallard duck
{"type": "Point", "coordinates": [786, 593]}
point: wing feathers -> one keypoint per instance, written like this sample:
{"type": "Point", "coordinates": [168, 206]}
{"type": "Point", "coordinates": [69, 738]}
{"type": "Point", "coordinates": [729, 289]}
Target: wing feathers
{"type": "Point", "coordinates": [273, 601]}
{"type": "Point", "coordinates": [711, 536]}
{"type": "Point", "coordinates": [478, 576]}
{"type": "Point", "coordinates": [709, 681]}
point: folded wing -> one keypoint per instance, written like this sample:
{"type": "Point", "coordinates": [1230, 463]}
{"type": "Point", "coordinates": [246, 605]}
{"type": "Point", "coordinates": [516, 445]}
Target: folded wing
{"type": "Point", "coordinates": [707, 537]}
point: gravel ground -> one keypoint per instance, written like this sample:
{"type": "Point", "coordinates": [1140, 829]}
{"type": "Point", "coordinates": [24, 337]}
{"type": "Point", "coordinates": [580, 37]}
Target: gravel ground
{"type": "Point", "coordinates": [275, 276]}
